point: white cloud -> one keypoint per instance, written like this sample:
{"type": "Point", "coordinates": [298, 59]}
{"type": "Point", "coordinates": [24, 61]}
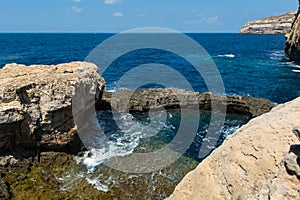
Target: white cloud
{"type": "Point", "coordinates": [76, 9]}
{"type": "Point", "coordinates": [111, 1]}
{"type": "Point", "coordinates": [118, 14]}
{"type": "Point", "coordinates": [77, 0]}
{"type": "Point", "coordinates": [212, 20]}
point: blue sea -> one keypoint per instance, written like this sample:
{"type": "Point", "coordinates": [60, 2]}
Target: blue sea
{"type": "Point", "coordinates": [253, 65]}
{"type": "Point", "coordinates": [250, 65]}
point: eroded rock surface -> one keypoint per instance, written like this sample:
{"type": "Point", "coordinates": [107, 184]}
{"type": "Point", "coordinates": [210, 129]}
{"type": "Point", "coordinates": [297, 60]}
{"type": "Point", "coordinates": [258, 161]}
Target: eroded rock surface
{"type": "Point", "coordinates": [143, 100]}
{"type": "Point", "coordinates": [270, 25]}
{"type": "Point", "coordinates": [36, 103]}
{"type": "Point", "coordinates": [252, 163]}
{"type": "Point", "coordinates": [292, 45]}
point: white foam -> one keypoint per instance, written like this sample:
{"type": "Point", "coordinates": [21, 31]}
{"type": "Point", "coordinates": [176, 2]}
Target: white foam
{"type": "Point", "coordinates": [121, 141]}
{"type": "Point", "coordinates": [227, 55]}
{"type": "Point", "coordinates": [296, 71]}
{"type": "Point", "coordinates": [277, 55]}
{"type": "Point", "coordinates": [97, 184]}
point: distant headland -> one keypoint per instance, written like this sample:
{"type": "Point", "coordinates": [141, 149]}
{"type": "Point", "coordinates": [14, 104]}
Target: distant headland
{"type": "Point", "coordinates": [270, 25]}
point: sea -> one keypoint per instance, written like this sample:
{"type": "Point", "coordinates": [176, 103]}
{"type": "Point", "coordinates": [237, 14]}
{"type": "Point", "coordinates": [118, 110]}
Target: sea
{"type": "Point", "coordinates": [249, 65]}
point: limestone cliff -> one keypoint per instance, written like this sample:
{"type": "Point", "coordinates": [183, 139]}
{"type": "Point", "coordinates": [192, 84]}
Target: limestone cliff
{"type": "Point", "coordinates": [253, 163]}
{"type": "Point", "coordinates": [35, 104]}
{"type": "Point", "coordinates": [292, 45]}
{"type": "Point", "coordinates": [270, 25]}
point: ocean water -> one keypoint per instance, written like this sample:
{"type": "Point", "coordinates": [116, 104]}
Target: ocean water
{"type": "Point", "coordinates": [250, 65]}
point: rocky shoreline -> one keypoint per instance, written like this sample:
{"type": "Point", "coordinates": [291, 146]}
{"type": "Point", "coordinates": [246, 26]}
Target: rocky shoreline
{"type": "Point", "coordinates": [270, 25]}
{"type": "Point", "coordinates": [36, 111]}
{"type": "Point", "coordinates": [36, 119]}
{"type": "Point", "coordinates": [259, 161]}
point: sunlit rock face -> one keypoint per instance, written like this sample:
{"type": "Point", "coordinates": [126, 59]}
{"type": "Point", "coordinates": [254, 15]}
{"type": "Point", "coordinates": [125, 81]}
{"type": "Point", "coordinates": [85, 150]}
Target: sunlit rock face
{"type": "Point", "coordinates": [36, 103]}
{"type": "Point", "coordinates": [270, 25]}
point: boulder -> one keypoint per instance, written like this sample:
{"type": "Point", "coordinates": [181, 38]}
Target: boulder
{"type": "Point", "coordinates": [270, 25]}
{"type": "Point", "coordinates": [286, 184]}
{"type": "Point", "coordinates": [36, 104]}
{"type": "Point", "coordinates": [252, 163]}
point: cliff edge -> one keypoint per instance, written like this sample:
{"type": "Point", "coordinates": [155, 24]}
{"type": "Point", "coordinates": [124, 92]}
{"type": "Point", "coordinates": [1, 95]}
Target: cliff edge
{"type": "Point", "coordinates": [36, 105]}
{"type": "Point", "coordinates": [270, 25]}
{"type": "Point", "coordinates": [292, 45]}
{"type": "Point", "coordinates": [259, 161]}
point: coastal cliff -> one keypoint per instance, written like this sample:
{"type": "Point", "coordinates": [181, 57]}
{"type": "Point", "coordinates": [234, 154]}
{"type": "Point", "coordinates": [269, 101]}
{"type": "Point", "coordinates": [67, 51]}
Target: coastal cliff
{"type": "Point", "coordinates": [259, 161]}
{"type": "Point", "coordinates": [292, 45]}
{"type": "Point", "coordinates": [270, 25]}
{"type": "Point", "coordinates": [36, 105]}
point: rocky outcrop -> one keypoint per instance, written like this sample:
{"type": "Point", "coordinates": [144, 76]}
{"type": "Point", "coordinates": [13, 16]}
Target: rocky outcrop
{"type": "Point", "coordinates": [170, 98]}
{"type": "Point", "coordinates": [292, 45]}
{"type": "Point", "coordinates": [270, 25]}
{"type": "Point", "coordinates": [36, 104]}
{"type": "Point", "coordinates": [252, 163]}
{"type": "Point", "coordinates": [285, 185]}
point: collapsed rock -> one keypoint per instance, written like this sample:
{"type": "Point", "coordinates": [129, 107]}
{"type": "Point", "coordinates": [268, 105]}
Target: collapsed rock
{"type": "Point", "coordinates": [170, 98]}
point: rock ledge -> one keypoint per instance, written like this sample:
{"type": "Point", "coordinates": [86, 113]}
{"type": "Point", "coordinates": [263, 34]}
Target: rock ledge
{"type": "Point", "coordinates": [252, 163]}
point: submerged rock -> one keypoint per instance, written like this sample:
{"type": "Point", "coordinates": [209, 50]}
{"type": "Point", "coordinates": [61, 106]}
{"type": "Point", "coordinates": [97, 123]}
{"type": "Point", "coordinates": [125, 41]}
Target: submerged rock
{"type": "Point", "coordinates": [170, 98]}
{"type": "Point", "coordinates": [35, 104]}
{"type": "Point", "coordinates": [251, 163]}
{"type": "Point", "coordinates": [58, 176]}
{"type": "Point", "coordinates": [270, 25]}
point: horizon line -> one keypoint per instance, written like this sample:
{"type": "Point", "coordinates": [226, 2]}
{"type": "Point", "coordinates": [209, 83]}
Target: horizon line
{"type": "Point", "coordinates": [108, 32]}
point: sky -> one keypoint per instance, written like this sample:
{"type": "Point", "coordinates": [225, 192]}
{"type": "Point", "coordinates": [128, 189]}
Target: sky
{"type": "Point", "coordinates": [119, 15]}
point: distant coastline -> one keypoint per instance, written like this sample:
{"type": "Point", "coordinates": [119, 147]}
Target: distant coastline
{"type": "Point", "coordinates": [269, 25]}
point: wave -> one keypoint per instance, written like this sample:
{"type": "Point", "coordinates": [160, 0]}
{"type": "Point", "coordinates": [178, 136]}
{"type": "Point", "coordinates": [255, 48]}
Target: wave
{"type": "Point", "coordinates": [294, 66]}
{"type": "Point", "coordinates": [227, 56]}
{"type": "Point", "coordinates": [10, 57]}
{"type": "Point", "coordinates": [123, 134]}
{"type": "Point", "coordinates": [277, 55]}
{"type": "Point", "coordinates": [296, 70]}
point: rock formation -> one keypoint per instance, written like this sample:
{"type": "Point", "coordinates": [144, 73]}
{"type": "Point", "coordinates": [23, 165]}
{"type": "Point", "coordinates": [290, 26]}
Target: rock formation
{"type": "Point", "coordinates": [4, 190]}
{"type": "Point", "coordinates": [292, 45]}
{"type": "Point", "coordinates": [169, 98]}
{"type": "Point", "coordinates": [270, 25]}
{"type": "Point", "coordinates": [35, 104]}
{"type": "Point", "coordinates": [252, 163]}
{"type": "Point", "coordinates": [285, 185]}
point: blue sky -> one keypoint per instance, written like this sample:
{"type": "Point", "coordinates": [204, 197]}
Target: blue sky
{"type": "Point", "coordinates": [120, 15]}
